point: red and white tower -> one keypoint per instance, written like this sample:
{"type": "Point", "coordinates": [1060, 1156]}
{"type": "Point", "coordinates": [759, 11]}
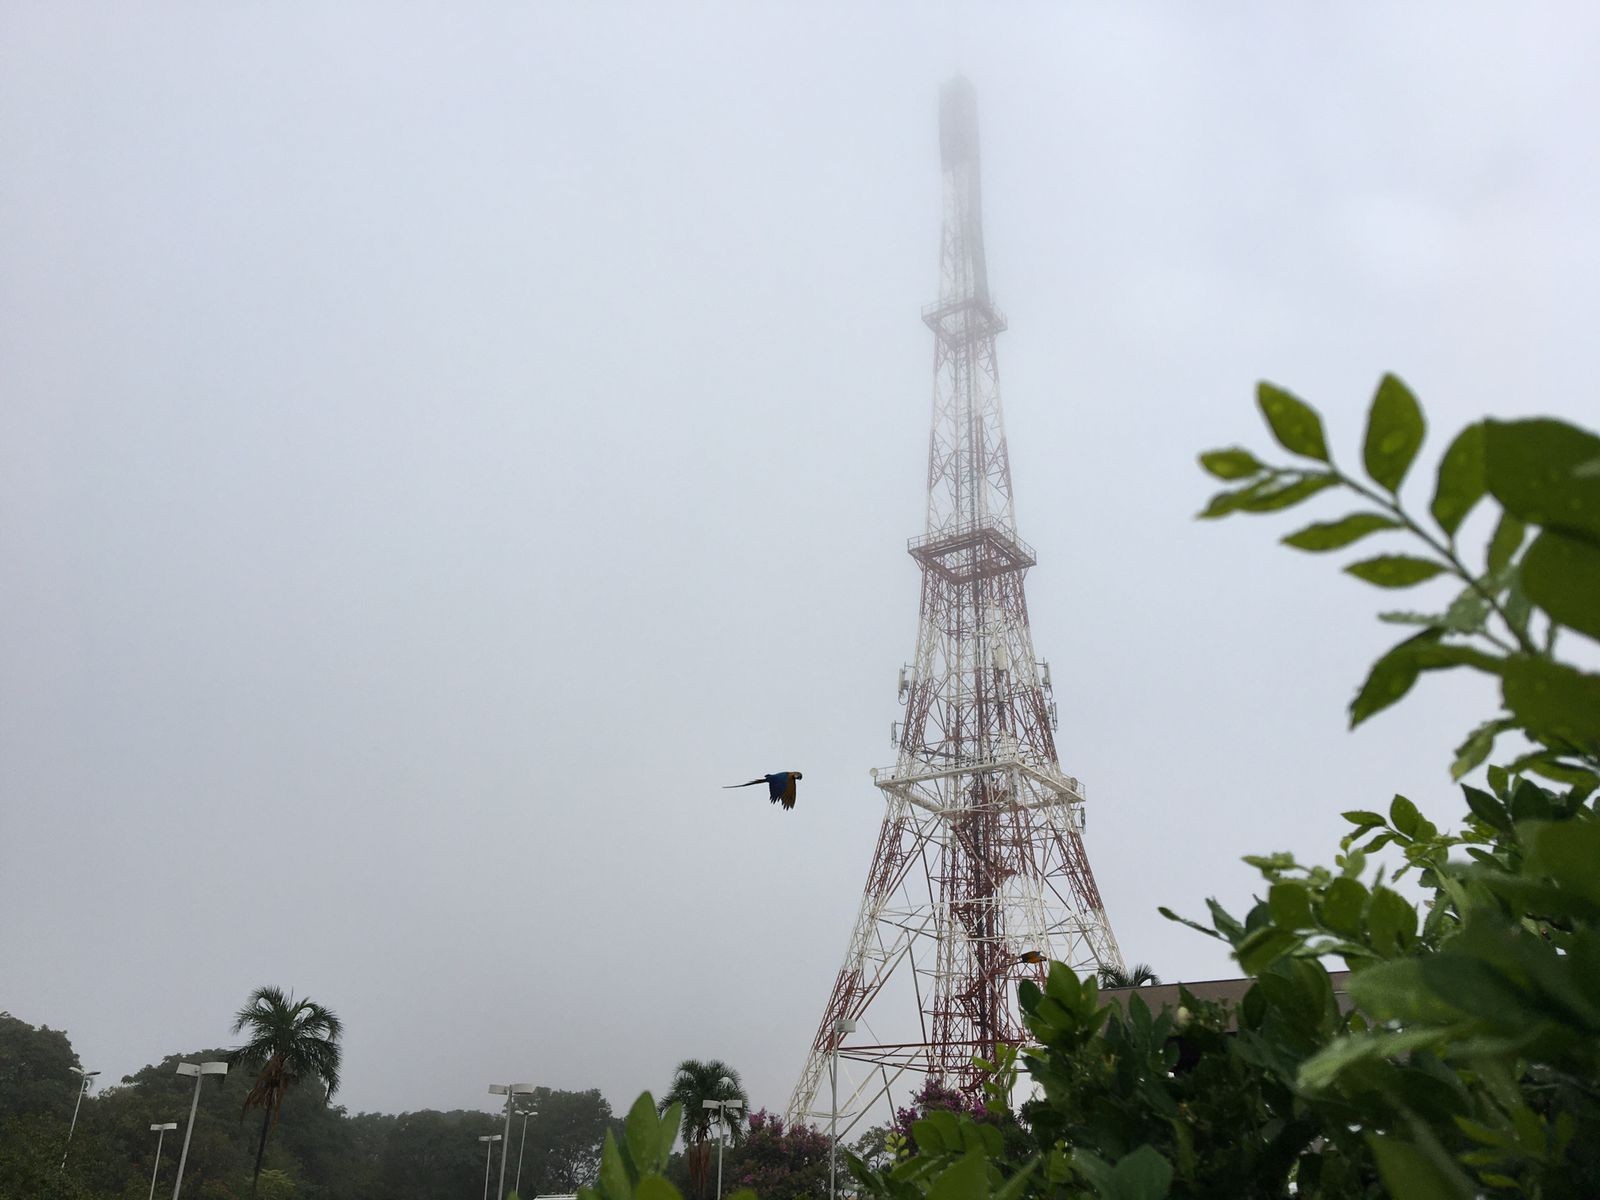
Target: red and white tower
{"type": "Point", "coordinates": [980, 858]}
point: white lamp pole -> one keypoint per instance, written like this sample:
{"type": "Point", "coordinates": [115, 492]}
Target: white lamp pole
{"type": "Point", "coordinates": [510, 1091]}
{"type": "Point", "coordinates": [840, 1027]}
{"type": "Point", "coordinates": [199, 1071]}
{"type": "Point", "coordinates": [522, 1145]}
{"type": "Point", "coordinates": [488, 1140]}
{"type": "Point", "coordinates": [162, 1132]}
{"type": "Point", "coordinates": [722, 1107]}
{"type": "Point", "coordinates": [86, 1078]}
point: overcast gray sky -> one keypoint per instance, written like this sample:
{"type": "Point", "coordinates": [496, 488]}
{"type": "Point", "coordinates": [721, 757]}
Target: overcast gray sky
{"type": "Point", "coordinates": [442, 444]}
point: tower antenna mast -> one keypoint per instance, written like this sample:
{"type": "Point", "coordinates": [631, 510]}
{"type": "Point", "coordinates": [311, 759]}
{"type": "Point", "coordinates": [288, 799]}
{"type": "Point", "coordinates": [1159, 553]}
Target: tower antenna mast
{"type": "Point", "coordinates": [980, 874]}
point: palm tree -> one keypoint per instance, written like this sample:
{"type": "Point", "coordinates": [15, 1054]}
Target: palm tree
{"type": "Point", "coordinates": [693, 1083]}
{"type": "Point", "coordinates": [1138, 975]}
{"type": "Point", "coordinates": [288, 1040]}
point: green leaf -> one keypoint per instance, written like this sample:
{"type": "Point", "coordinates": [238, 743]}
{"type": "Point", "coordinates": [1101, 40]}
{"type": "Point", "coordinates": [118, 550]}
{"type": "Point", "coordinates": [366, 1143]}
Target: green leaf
{"type": "Point", "coordinates": [1331, 535]}
{"type": "Point", "coordinates": [1195, 925]}
{"type": "Point", "coordinates": [1324, 1067]}
{"type": "Point", "coordinates": [1480, 989]}
{"type": "Point", "coordinates": [1561, 575]}
{"type": "Point", "coordinates": [1403, 815]}
{"type": "Point", "coordinates": [1363, 819]}
{"type": "Point", "coordinates": [1410, 1172]}
{"type": "Point", "coordinates": [1143, 1175]}
{"type": "Point", "coordinates": [1095, 1169]}
{"type": "Point", "coordinates": [1461, 479]}
{"type": "Point", "coordinates": [1428, 620]}
{"type": "Point", "coordinates": [1395, 570]}
{"type": "Point", "coordinates": [1287, 495]}
{"type": "Point", "coordinates": [1342, 906]}
{"type": "Point", "coordinates": [1556, 703]}
{"type": "Point", "coordinates": [613, 1179]}
{"type": "Point", "coordinates": [654, 1187]}
{"type": "Point", "coordinates": [1017, 1186]}
{"type": "Point", "coordinates": [1530, 802]}
{"type": "Point", "coordinates": [642, 1133]}
{"type": "Point", "coordinates": [936, 1134]}
{"type": "Point", "coordinates": [1537, 469]}
{"type": "Point", "coordinates": [1395, 991]}
{"type": "Point", "coordinates": [1224, 503]}
{"type": "Point", "coordinates": [1482, 1133]}
{"type": "Point", "coordinates": [1269, 864]}
{"type": "Point", "coordinates": [1260, 949]}
{"type": "Point", "coordinates": [968, 1177]}
{"type": "Point", "coordinates": [1549, 765]}
{"type": "Point", "coordinates": [1487, 808]}
{"type": "Point", "coordinates": [1505, 543]}
{"type": "Point", "coordinates": [1392, 675]}
{"type": "Point", "coordinates": [1566, 851]}
{"type": "Point", "coordinates": [1518, 608]}
{"type": "Point", "coordinates": [1232, 463]}
{"type": "Point", "coordinates": [1227, 924]}
{"type": "Point", "coordinates": [1394, 433]}
{"type": "Point", "coordinates": [1293, 422]}
{"type": "Point", "coordinates": [1391, 921]}
{"type": "Point", "coordinates": [1468, 612]}
{"type": "Point", "coordinates": [670, 1121]}
{"type": "Point", "coordinates": [1478, 745]}
{"type": "Point", "coordinates": [1291, 905]}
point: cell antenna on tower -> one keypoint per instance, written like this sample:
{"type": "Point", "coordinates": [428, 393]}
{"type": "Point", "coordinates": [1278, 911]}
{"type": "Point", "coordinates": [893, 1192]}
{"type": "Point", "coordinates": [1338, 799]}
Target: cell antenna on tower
{"type": "Point", "coordinates": [980, 874]}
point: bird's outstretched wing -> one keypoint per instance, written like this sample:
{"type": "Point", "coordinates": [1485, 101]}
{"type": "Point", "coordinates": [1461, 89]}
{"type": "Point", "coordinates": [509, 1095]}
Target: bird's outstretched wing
{"type": "Point", "coordinates": [752, 783]}
{"type": "Point", "coordinates": [785, 794]}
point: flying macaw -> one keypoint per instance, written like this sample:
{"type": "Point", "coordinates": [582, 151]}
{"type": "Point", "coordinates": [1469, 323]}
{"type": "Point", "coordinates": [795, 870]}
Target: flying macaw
{"type": "Point", "coordinates": [780, 787]}
{"type": "Point", "coordinates": [1031, 956]}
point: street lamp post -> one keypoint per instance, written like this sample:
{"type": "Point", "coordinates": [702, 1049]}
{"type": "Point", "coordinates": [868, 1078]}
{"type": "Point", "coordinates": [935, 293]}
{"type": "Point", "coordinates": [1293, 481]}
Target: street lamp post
{"type": "Point", "coordinates": [86, 1077]}
{"type": "Point", "coordinates": [840, 1027]}
{"type": "Point", "coordinates": [199, 1071]}
{"type": "Point", "coordinates": [161, 1132]}
{"type": "Point", "coordinates": [722, 1107]}
{"type": "Point", "coordinates": [510, 1091]}
{"type": "Point", "coordinates": [488, 1140]}
{"type": "Point", "coordinates": [522, 1145]}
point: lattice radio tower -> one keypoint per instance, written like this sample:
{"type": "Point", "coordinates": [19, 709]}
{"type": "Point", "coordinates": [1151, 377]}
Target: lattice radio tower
{"type": "Point", "coordinates": [980, 858]}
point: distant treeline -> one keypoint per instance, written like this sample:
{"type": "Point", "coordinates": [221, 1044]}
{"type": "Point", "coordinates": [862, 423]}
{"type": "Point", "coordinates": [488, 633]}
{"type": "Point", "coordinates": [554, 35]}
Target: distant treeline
{"type": "Point", "coordinates": [317, 1151]}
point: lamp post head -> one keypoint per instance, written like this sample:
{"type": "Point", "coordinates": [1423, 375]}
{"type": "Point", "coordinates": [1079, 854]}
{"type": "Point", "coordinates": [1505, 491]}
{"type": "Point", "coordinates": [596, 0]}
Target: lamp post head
{"type": "Point", "coordinates": [168, 1125]}
{"type": "Point", "coordinates": [205, 1068]}
{"type": "Point", "coordinates": [489, 1137]}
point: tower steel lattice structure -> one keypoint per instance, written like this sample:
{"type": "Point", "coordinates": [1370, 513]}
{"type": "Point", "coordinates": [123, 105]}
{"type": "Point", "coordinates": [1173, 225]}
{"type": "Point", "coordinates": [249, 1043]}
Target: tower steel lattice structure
{"type": "Point", "coordinates": [980, 858]}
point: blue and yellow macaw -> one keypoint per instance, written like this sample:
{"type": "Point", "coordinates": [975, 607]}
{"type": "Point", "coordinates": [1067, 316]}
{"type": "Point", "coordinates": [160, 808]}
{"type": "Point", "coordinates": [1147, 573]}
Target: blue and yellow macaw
{"type": "Point", "coordinates": [780, 787]}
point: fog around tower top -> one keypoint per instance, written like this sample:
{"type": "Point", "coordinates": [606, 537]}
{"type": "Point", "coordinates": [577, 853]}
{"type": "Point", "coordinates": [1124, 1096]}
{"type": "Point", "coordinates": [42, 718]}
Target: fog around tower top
{"type": "Point", "coordinates": [440, 448]}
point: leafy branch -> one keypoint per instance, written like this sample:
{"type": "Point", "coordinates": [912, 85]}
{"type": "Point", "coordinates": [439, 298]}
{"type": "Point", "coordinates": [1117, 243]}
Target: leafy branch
{"type": "Point", "coordinates": [1544, 474]}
